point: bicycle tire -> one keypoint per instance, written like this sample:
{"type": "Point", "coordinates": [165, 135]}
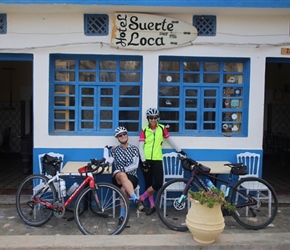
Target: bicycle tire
{"type": "Point", "coordinates": [256, 216]}
{"type": "Point", "coordinates": [92, 221]}
{"type": "Point", "coordinates": [172, 214]}
{"type": "Point", "coordinates": [34, 214]}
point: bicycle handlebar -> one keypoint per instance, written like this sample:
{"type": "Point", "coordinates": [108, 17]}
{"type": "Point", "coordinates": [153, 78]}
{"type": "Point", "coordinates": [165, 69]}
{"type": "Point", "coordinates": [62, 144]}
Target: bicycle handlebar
{"type": "Point", "coordinates": [95, 166]}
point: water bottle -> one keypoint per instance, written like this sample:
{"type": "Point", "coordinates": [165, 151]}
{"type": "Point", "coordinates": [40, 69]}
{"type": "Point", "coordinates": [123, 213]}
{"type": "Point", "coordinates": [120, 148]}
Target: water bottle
{"type": "Point", "coordinates": [223, 189]}
{"type": "Point", "coordinates": [209, 184]}
{"type": "Point", "coordinates": [72, 189]}
{"type": "Point", "coordinates": [62, 188]}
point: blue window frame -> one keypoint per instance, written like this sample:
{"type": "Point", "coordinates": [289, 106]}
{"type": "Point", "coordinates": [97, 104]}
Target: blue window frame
{"type": "Point", "coordinates": [204, 96]}
{"type": "Point", "coordinates": [3, 24]}
{"type": "Point", "coordinates": [94, 94]}
{"type": "Point", "coordinates": [96, 24]}
{"type": "Point", "coordinates": [205, 25]}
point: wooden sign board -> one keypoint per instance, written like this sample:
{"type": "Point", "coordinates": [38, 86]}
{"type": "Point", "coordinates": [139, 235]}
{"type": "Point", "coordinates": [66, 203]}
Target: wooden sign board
{"type": "Point", "coordinates": [285, 51]}
{"type": "Point", "coordinates": [150, 32]}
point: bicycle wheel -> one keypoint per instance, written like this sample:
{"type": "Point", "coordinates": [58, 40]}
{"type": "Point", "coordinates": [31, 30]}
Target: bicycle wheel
{"type": "Point", "coordinates": [29, 210]}
{"type": "Point", "coordinates": [256, 202]}
{"type": "Point", "coordinates": [171, 212]}
{"type": "Point", "coordinates": [102, 218]}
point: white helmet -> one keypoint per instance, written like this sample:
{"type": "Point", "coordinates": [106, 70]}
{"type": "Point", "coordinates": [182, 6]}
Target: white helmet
{"type": "Point", "coordinates": [152, 112]}
{"type": "Point", "coordinates": [120, 130]}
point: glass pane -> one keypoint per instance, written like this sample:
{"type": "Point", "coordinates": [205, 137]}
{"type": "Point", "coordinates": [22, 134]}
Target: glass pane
{"type": "Point", "coordinates": [232, 116]}
{"type": "Point", "coordinates": [191, 116]}
{"type": "Point", "coordinates": [169, 115]}
{"type": "Point", "coordinates": [169, 77]}
{"type": "Point", "coordinates": [130, 65]}
{"type": "Point", "coordinates": [87, 101]}
{"type": "Point", "coordinates": [191, 66]}
{"type": "Point", "coordinates": [209, 103]}
{"type": "Point", "coordinates": [232, 79]}
{"type": "Point", "coordinates": [209, 116]}
{"type": "Point", "coordinates": [87, 77]}
{"type": "Point", "coordinates": [88, 91]}
{"type": "Point", "coordinates": [211, 78]}
{"type": "Point", "coordinates": [231, 127]}
{"type": "Point", "coordinates": [64, 64]}
{"type": "Point", "coordinates": [169, 66]}
{"type": "Point", "coordinates": [64, 114]}
{"type": "Point", "coordinates": [211, 66]}
{"type": "Point", "coordinates": [168, 91]}
{"type": "Point", "coordinates": [107, 77]}
{"type": "Point", "coordinates": [87, 125]}
{"type": "Point", "coordinates": [87, 114]}
{"type": "Point", "coordinates": [191, 126]}
{"type": "Point", "coordinates": [232, 103]}
{"type": "Point", "coordinates": [191, 92]}
{"type": "Point", "coordinates": [129, 90]}
{"type": "Point", "coordinates": [233, 92]}
{"type": "Point", "coordinates": [64, 101]}
{"type": "Point", "coordinates": [190, 103]}
{"type": "Point", "coordinates": [129, 102]}
{"type": "Point", "coordinates": [106, 115]}
{"type": "Point", "coordinates": [172, 127]}
{"type": "Point", "coordinates": [233, 67]}
{"type": "Point", "coordinates": [169, 102]}
{"type": "Point", "coordinates": [191, 78]}
{"type": "Point", "coordinates": [64, 89]}
{"type": "Point", "coordinates": [130, 77]}
{"type": "Point", "coordinates": [67, 126]}
{"type": "Point", "coordinates": [64, 76]}
{"type": "Point", "coordinates": [87, 64]}
{"type": "Point", "coordinates": [106, 101]}
{"type": "Point", "coordinates": [128, 115]}
{"type": "Point", "coordinates": [131, 126]}
{"type": "Point", "coordinates": [209, 92]}
{"type": "Point", "coordinates": [106, 125]}
{"type": "Point", "coordinates": [209, 126]}
{"type": "Point", "coordinates": [108, 65]}
{"type": "Point", "coordinates": [106, 91]}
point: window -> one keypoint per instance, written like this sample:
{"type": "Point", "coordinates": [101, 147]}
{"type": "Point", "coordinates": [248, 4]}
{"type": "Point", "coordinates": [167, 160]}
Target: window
{"type": "Point", "coordinates": [205, 25]}
{"type": "Point", "coordinates": [95, 94]}
{"type": "Point", "coordinates": [3, 24]}
{"type": "Point", "coordinates": [96, 25]}
{"type": "Point", "coordinates": [206, 96]}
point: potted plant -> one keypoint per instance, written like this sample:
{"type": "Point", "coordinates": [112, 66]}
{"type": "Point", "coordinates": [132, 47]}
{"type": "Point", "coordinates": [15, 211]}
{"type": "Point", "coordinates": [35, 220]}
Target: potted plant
{"type": "Point", "coordinates": [205, 219]}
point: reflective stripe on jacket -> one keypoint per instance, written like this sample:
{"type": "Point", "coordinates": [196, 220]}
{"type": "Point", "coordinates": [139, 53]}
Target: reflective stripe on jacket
{"type": "Point", "coordinates": [153, 142]}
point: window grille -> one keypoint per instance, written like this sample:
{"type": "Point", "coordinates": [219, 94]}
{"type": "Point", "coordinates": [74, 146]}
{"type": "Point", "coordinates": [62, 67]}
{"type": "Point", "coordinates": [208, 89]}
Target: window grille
{"type": "Point", "coordinates": [205, 25]}
{"type": "Point", "coordinates": [204, 96]}
{"type": "Point", "coordinates": [3, 24]}
{"type": "Point", "coordinates": [96, 24]}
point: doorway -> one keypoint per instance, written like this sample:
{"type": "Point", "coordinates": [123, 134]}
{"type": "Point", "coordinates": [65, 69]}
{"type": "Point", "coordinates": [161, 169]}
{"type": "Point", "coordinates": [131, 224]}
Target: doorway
{"type": "Point", "coordinates": [276, 143]}
{"type": "Point", "coordinates": [16, 115]}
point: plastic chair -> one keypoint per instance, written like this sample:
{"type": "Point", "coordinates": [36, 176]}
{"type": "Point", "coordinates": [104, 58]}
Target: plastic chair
{"type": "Point", "coordinates": [58, 155]}
{"type": "Point", "coordinates": [252, 161]}
{"type": "Point", "coordinates": [172, 169]}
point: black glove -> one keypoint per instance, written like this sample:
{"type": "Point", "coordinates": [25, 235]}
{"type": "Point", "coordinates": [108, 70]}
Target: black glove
{"type": "Point", "coordinates": [182, 153]}
{"type": "Point", "coordinates": [145, 165]}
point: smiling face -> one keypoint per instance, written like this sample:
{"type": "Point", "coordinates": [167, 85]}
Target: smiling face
{"type": "Point", "coordinates": [152, 120]}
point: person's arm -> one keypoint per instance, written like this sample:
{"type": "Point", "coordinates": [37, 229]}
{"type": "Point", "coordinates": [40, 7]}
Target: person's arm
{"type": "Point", "coordinates": [173, 144]}
{"type": "Point", "coordinates": [108, 158]}
{"type": "Point", "coordinates": [134, 165]}
{"type": "Point", "coordinates": [141, 150]}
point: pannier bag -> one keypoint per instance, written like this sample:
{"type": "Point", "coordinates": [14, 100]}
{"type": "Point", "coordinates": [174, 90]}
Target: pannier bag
{"type": "Point", "coordinates": [50, 164]}
{"type": "Point", "coordinates": [239, 169]}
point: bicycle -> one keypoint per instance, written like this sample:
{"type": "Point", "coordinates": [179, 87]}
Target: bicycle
{"type": "Point", "coordinates": [252, 212]}
{"type": "Point", "coordinates": [38, 198]}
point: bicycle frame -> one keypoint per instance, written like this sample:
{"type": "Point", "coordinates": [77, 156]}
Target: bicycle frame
{"type": "Point", "coordinates": [194, 175]}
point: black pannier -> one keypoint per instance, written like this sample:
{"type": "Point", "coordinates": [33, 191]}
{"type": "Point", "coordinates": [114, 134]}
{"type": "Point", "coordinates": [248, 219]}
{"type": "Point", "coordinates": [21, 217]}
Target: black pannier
{"type": "Point", "coordinates": [50, 164]}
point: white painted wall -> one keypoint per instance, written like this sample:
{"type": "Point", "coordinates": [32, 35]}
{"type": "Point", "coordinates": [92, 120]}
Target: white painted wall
{"type": "Point", "coordinates": [254, 37]}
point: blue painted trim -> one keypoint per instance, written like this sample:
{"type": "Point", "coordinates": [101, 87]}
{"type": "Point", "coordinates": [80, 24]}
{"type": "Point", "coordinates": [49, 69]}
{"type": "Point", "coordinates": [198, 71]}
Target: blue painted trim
{"type": "Point", "coordinates": [85, 154]}
{"type": "Point", "coordinates": [167, 3]}
{"type": "Point", "coordinates": [278, 60]}
{"type": "Point", "coordinates": [16, 57]}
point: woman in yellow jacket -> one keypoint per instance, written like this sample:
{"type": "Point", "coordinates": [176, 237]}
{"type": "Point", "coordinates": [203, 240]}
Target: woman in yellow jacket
{"type": "Point", "coordinates": [150, 147]}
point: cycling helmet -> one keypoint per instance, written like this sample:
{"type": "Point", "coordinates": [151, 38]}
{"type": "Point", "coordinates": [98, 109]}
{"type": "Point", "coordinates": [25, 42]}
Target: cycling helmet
{"type": "Point", "coordinates": [152, 112]}
{"type": "Point", "coordinates": [120, 130]}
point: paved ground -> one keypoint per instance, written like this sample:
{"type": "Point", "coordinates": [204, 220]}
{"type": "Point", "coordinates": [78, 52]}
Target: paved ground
{"type": "Point", "coordinates": [145, 232]}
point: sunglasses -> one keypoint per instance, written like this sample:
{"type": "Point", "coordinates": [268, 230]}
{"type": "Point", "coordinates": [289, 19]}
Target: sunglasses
{"type": "Point", "coordinates": [153, 118]}
{"type": "Point", "coordinates": [121, 135]}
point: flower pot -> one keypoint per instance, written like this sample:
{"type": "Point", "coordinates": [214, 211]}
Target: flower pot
{"type": "Point", "coordinates": [205, 223]}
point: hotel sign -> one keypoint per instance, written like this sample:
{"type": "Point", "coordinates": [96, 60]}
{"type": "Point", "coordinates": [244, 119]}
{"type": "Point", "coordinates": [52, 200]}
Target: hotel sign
{"type": "Point", "coordinates": [149, 32]}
